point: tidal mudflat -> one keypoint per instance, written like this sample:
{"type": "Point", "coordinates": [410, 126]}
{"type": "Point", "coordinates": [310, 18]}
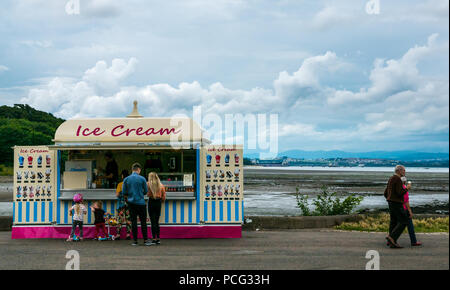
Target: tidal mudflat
{"type": "Point", "coordinates": [271, 191]}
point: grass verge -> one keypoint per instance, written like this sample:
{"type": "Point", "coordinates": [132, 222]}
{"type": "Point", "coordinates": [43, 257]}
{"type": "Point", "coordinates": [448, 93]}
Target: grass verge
{"type": "Point", "coordinates": [380, 223]}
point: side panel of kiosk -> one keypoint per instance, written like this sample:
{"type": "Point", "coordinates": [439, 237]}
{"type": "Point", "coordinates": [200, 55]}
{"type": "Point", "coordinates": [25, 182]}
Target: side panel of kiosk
{"type": "Point", "coordinates": [34, 185]}
{"type": "Point", "coordinates": [222, 198]}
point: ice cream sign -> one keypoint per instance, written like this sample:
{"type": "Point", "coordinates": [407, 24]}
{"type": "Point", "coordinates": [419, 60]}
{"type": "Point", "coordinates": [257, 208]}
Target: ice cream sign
{"type": "Point", "coordinates": [121, 130]}
{"type": "Point", "coordinates": [128, 129]}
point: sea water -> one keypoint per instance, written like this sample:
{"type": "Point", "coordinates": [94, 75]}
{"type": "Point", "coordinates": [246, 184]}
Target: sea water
{"type": "Point", "coordinates": [342, 168]}
{"type": "Point", "coordinates": [285, 203]}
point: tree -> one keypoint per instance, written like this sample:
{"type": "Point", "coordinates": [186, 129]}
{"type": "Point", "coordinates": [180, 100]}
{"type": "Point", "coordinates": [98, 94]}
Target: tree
{"type": "Point", "coordinates": [23, 125]}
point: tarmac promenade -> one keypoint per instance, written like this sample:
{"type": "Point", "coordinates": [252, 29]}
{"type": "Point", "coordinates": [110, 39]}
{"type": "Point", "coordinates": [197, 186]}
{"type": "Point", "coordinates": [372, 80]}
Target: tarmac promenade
{"type": "Point", "coordinates": [257, 250]}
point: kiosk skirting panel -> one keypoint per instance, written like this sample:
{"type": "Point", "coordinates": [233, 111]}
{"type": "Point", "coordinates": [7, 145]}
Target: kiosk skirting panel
{"type": "Point", "coordinates": [167, 232]}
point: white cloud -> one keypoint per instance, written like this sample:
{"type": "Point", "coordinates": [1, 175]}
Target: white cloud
{"type": "Point", "coordinates": [298, 129]}
{"type": "Point", "coordinates": [399, 103]}
{"type": "Point", "coordinates": [305, 82]}
{"type": "Point", "coordinates": [3, 68]}
{"type": "Point", "coordinates": [422, 12]}
{"type": "Point", "coordinates": [108, 78]}
{"type": "Point", "coordinates": [331, 16]}
{"type": "Point", "coordinates": [391, 76]}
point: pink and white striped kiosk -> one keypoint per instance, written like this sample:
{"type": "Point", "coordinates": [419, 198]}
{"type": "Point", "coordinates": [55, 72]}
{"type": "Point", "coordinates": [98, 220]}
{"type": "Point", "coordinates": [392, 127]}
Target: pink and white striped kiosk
{"type": "Point", "coordinates": [204, 182]}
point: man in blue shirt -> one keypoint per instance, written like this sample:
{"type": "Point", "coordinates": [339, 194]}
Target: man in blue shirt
{"type": "Point", "coordinates": [135, 188]}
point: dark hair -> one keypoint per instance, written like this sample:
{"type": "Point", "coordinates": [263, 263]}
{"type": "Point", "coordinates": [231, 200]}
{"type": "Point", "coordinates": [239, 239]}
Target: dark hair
{"type": "Point", "coordinates": [124, 173]}
{"type": "Point", "coordinates": [108, 154]}
{"type": "Point", "coordinates": [136, 166]}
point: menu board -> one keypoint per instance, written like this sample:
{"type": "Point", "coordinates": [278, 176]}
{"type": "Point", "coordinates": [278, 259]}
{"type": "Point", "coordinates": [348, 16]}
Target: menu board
{"type": "Point", "coordinates": [33, 173]}
{"type": "Point", "coordinates": [222, 172]}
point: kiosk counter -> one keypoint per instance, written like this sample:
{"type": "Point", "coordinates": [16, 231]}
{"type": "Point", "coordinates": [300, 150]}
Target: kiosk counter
{"type": "Point", "coordinates": [204, 182]}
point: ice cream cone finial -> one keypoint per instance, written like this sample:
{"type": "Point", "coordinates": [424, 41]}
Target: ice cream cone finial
{"type": "Point", "coordinates": [135, 113]}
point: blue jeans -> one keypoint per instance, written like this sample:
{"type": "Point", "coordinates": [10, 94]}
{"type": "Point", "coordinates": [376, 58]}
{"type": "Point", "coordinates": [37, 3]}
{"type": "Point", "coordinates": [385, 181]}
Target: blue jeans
{"type": "Point", "coordinates": [412, 234]}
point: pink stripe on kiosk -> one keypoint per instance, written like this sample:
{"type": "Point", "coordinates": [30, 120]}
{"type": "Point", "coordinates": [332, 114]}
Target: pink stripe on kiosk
{"type": "Point", "coordinates": [167, 232]}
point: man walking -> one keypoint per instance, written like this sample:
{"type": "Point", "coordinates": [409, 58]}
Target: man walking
{"type": "Point", "coordinates": [135, 187]}
{"type": "Point", "coordinates": [394, 193]}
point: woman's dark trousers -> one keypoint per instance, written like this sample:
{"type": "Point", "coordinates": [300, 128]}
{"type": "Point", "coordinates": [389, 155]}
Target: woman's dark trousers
{"type": "Point", "coordinates": [154, 211]}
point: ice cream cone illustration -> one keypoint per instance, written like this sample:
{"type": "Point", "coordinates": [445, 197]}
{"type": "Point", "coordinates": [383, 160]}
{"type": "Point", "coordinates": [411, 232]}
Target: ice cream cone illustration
{"type": "Point", "coordinates": [30, 160]}
{"type": "Point", "coordinates": [39, 161]}
{"type": "Point", "coordinates": [21, 160]}
{"type": "Point", "coordinates": [47, 174]}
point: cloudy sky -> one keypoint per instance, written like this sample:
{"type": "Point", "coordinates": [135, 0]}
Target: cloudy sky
{"type": "Point", "coordinates": [337, 76]}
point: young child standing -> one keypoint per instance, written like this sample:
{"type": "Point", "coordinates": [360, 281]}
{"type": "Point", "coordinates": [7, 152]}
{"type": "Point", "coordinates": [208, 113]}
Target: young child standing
{"type": "Point", "coordinates": [78, 210]}
{"type": "Point", "coordinates": [99, 221]}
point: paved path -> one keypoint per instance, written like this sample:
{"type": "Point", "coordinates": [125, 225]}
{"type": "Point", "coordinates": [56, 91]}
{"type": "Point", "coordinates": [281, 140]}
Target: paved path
{"type": "Point", "coordinates": [292, 249]}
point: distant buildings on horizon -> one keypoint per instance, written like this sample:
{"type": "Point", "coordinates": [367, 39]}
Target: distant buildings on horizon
{"type": "Point", "coordinates": [344, 162]}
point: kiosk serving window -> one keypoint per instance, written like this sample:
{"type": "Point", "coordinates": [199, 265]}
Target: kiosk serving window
{"type": "Point", "coordinates": [96, 173]}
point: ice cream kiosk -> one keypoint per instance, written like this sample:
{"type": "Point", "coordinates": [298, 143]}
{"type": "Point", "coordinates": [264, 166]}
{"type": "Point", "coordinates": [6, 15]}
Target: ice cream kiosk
{"type": "Point", "coordinates": [204, 182]}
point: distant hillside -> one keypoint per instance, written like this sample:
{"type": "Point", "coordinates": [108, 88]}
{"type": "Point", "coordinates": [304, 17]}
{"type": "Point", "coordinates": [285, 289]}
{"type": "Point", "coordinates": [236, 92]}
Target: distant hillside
{"type": "Point", "coordinates": [23, 125]}
{"type": "Point", "coordinates": [392, 155]}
